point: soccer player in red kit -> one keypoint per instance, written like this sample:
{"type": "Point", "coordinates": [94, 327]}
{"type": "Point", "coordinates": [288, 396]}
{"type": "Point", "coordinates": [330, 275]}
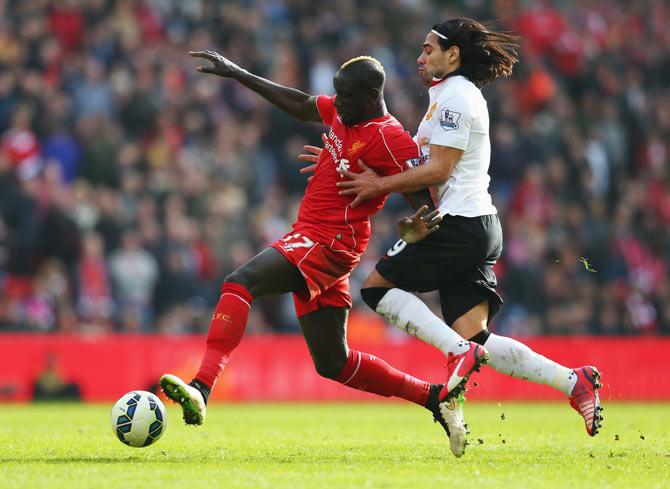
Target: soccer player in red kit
{"type": "Point", "coordinates": [315, 259]}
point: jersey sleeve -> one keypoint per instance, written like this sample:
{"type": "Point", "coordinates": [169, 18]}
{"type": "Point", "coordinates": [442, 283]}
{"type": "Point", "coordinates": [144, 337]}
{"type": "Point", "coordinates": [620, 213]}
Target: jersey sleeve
{"type": "Point", "coordinates": [396, 153]}
{"type": "Point", "coordinates": [453, 127]}
{"type": "Point", "coordinates": [326, 108]}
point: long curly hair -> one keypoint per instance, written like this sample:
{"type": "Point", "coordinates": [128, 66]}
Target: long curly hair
{"type": "Point", "coordinates": [485, 54]}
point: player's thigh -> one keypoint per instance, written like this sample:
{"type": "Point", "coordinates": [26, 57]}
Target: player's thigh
{"type": "Point", "coordinates": [325, 332]}
{"type": "Point", "coordinates": [469, 304]}
{"type": "Point", "coordinates": [426, 265]}
{"type": "Point", "coordinates": [376, 280]}
{"type": "Point", "coordinates": [473, 321]}
{"type": "Point", "coordinates": [268, 273]}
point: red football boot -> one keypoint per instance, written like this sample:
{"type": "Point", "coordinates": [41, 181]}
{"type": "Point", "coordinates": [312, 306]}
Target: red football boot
{"type": "Point", "coordinates": [460, 367]}
{"type": "Point", "coordinates": [584, 398]}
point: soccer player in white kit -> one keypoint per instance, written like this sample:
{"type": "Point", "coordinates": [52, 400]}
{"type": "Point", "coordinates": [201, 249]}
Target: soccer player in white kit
{"type": "Point", "coordinates": [458, 57]}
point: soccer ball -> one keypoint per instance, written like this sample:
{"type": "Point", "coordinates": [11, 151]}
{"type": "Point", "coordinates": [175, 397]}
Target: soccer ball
{"type": "Point", "coordinates": [138, 418]}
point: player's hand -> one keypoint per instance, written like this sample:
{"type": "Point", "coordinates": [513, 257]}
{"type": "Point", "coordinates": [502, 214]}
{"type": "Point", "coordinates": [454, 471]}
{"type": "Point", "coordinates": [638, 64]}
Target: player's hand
{"type": "Point", "coordinates": [364, 185]}
{"type": "Point", "coordinates": [419, 225]}
{"type": "Point", "coordinates": [220, 65]}
{"type": "Point", "coordinates": [312, 156]}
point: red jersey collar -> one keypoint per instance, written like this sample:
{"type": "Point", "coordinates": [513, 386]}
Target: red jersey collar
{"type": "Point", "coordinates": [373, 121]}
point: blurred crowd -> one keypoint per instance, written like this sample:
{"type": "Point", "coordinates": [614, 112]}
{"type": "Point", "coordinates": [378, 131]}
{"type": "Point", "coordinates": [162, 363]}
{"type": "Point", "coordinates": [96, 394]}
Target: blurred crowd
{"type": "Point", "coordinates": [131, 185]}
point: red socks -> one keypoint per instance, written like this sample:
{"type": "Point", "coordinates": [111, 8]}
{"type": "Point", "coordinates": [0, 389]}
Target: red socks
{"type": "Point", "coordinates": [362, 370]}
{"type": "Point", "coordinates": [225, 331]}
{"type": "Point", "coordinates": [368, 373]}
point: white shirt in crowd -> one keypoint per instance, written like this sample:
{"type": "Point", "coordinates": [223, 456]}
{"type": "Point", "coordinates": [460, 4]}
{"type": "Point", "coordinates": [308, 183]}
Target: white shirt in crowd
{"type": "Point", "coordinates": [458, 117]}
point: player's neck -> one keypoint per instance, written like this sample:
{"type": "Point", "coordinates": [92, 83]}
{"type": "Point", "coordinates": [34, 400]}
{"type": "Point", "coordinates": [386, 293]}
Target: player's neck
{"type": "Point", "coordinates": [379, 110]}
{"type": "Point", "coordinates": [455, 72]}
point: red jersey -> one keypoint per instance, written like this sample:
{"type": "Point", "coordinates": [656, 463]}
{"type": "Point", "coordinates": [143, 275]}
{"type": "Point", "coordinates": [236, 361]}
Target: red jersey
{"type": "Point", "coordinates": [383, 145]}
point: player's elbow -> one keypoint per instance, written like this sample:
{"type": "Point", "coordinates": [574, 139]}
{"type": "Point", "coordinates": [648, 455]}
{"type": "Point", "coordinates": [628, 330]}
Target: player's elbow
{"type": "Point", "coordinates": [442, 161]}
{"type": "Point", "coordinates": [305, 113]}
{"type": "Point", "coordinates": [439, 172]}
{"type": "Point", "coordinates": [304, 109]}
{"type": "Point", "coordinates": [302, 116]}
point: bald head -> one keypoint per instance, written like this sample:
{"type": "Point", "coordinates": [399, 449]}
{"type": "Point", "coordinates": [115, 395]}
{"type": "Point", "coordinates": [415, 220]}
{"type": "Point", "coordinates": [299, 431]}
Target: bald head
{"type": "Point", "coordinates": [359, 85]}
{"type": "Point", "coordinates": [364, 71]}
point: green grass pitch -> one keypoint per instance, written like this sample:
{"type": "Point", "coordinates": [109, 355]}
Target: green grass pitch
{"type": "Point", "coordinates": [377, 445]}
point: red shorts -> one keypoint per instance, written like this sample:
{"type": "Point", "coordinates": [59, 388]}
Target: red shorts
{"type": "Point", "coordinates": [326, 274]}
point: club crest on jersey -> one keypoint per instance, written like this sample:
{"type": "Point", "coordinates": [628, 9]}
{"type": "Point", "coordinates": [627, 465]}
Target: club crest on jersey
{"type": "Point", "coordinates": [357, 145]}
{"type": "Point", "coordinates": [449, 119]}
{"type": "Point", "coordinates": [431, 111]}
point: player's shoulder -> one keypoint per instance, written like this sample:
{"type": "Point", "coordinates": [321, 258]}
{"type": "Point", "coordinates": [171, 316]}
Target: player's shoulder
{"type": "Point", "coordinates": [460, 82]}
{"type": "Point", "coordinates": [395, 142]}
{"type": "Point", "coordinates": [461, 91]}
{"type": "Point", "coordinates": [396, 133]}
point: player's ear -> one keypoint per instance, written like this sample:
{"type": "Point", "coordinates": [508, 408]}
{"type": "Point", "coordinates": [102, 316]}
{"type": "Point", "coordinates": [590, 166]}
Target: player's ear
{"type": "Point", "coordinates": [454, 53]}
{"type": "Point", "coordinates": [375, 94]}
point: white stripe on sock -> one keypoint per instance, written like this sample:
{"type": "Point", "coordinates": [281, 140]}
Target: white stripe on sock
{"type": "Point", "coordinates": [235, 295]}
{"type": "Point", "coordinates": [358, 365]}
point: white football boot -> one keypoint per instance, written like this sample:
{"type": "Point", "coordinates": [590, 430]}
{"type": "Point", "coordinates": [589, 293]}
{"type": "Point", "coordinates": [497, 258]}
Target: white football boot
{"type": "Point", "coordinates": [188, 397]}
{"type": "Point", "coordinates": [449, 413]}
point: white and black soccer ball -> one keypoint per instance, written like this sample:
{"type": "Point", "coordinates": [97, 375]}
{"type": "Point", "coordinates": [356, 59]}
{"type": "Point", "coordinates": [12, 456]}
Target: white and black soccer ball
{"type": "Point", "coordinates": [138, 418]}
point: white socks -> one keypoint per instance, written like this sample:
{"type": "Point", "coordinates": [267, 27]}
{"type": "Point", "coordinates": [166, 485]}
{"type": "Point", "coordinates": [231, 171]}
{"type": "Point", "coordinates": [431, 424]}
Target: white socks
{"type": "Point", "coordinates": [409, 313]}
{"type": "Point", "coordinates": [515, 359]}
{"type": "Point", "coordinates": [507, 356]}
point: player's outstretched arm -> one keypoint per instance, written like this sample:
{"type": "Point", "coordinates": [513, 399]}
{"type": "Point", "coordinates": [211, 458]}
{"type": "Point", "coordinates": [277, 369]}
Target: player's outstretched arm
{"type": "Point", "coordinates": [299, 104]}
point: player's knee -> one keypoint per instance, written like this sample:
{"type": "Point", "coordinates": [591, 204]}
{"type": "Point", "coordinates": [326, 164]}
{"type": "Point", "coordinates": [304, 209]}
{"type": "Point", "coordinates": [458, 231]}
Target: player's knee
{"type": "Point", "coordinates": [330, 367]}
{"type": "Point", "coordinates": [473, 323]}
{"type": "Point", "coordinates": [372, 295]}
{"type": "Point", "coordinates": [376, 280]}
{"type": "Point", "coordinates": [240, 276]}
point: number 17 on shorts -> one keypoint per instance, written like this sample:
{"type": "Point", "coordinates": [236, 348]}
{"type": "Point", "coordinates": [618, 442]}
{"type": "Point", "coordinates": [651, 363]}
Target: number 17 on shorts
{"type": "Point", "coordinates": [293, 241]}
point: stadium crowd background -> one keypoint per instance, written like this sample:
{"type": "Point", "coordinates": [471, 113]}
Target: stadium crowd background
{"type": "Point", "coordinates": [130, 185]}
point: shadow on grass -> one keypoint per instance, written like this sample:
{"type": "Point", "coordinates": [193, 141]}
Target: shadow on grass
{"type": "Point", "coordinates": [270, 457]}
{"type": "Point", "coordinates": [97, 460]}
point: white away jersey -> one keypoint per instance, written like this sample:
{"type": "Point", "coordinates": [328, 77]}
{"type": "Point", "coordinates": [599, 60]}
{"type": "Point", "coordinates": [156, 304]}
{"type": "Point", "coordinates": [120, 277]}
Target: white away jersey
{"type": "Point", "coordinates": [458, 117]}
